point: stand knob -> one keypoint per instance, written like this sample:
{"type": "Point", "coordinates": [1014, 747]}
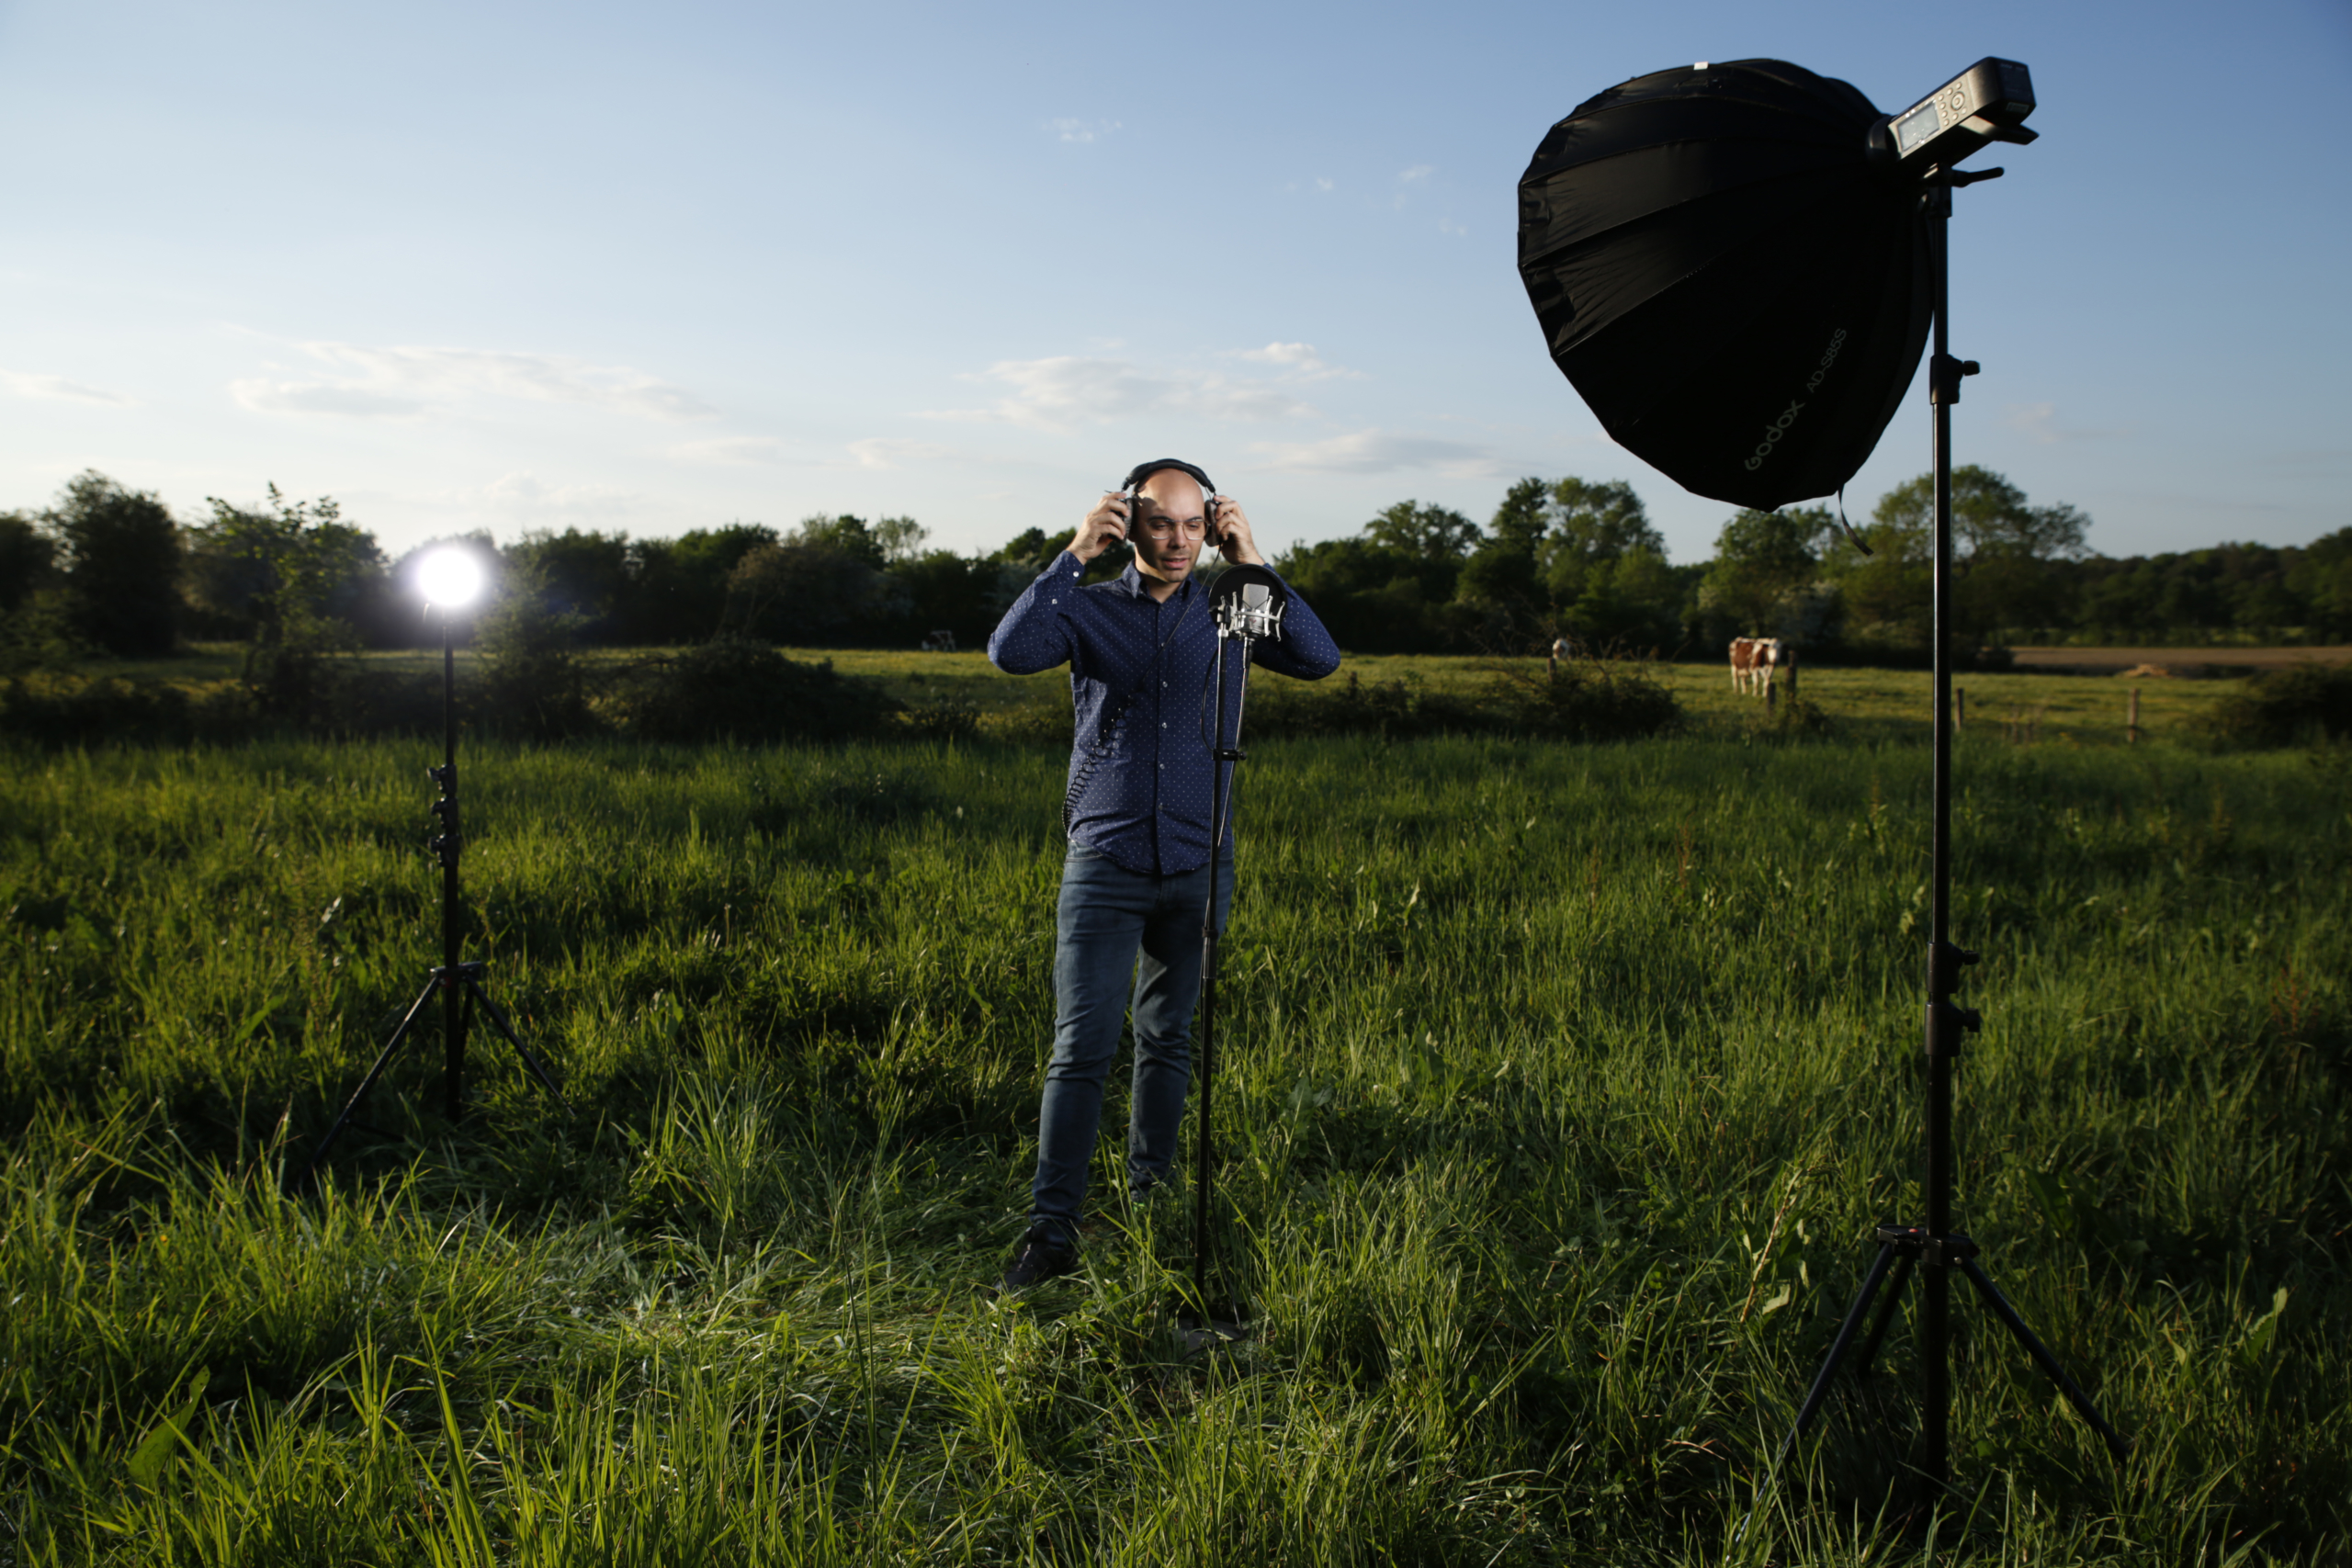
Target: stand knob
{"type": "Point", "coordinates": [1943, 376]}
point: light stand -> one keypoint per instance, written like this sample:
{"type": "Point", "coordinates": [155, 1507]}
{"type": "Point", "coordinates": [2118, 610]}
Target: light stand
{"type": "Point", "coordinates": [1934, 1250]}
{"type": "Point", "coordinates": [451, 579]}
{"type": "Point", "coordinates": [1247, 603]}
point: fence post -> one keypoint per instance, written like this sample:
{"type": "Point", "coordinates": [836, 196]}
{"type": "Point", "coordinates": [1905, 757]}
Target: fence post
{"type": "Point", "coordinates": [1959, 707]}
{"type": "Point", "coordinates": [1789, 658]}
{"type": "Point", "coordinates": [2132, 718]}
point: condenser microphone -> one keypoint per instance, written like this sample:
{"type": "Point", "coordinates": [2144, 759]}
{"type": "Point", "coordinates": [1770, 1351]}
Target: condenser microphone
{"type": "Point", "coordinates": [1249, 602]}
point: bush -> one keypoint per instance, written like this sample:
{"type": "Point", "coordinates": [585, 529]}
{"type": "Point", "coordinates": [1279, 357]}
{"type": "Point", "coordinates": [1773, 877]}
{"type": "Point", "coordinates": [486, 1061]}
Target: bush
{"type": "Point", "coordinates": [531, 674]}
{"type": "Point", "coordinates": [386, 702]}
{"type": "Point", "coordinates": [2287, 707]}
{"type": "Point", "coordinates": [53, 708]}
{"type": "Point", "coordinates": [39, 634]}
{"type": "Point", "coordinates": [1794, 719]}
{"type": "Point", "coordinates": [1589, 699]}
{"type": "Point", "coordinates": [1580, 699]}
{"type": "Point", "coordinates": [737, 687]}
{"type": "Point", "coordinates": [1395, 710]}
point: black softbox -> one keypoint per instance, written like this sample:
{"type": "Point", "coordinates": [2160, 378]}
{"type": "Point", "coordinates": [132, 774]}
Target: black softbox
{"type": "Point", "coordinates": [1731, 278]}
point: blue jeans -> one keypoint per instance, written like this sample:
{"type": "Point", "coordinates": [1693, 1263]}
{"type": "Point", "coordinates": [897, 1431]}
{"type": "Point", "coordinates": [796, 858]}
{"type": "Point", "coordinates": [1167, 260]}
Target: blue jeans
{"type": "Point", "coordinates": [1107, 914]}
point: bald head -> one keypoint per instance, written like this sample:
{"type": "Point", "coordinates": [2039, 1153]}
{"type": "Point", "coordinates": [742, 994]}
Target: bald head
{"type": "Point", "coordinates": [1175, 491]}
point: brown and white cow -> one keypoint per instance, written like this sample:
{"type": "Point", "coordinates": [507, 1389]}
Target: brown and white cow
{"type": "Point", "coordinates": [1752, 661]}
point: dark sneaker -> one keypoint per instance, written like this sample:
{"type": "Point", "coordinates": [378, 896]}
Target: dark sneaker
{"type": "Point", "coordinates": [1041, 1255]}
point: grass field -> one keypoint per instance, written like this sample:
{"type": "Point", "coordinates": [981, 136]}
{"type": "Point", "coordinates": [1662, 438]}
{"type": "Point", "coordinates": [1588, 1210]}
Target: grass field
{"type": "Point", "coordinates": [1564, 1085]}
{"type": "Point", "coordinates": [2180, 660]}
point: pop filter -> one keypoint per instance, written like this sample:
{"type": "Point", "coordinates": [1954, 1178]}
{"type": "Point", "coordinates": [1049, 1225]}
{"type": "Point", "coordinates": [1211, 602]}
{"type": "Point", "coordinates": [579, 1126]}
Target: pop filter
{"type": "Point", "coordinates": [1730, 263]}
{"type": "Point", "coordinates": [1249, 601]}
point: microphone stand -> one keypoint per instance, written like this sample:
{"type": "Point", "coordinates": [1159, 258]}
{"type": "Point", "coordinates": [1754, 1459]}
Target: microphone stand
{"type": "Point", "coordinates": [1248, 608]}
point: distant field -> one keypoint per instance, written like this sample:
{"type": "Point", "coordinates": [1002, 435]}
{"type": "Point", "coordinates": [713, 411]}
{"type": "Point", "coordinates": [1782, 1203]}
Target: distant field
{"type": "Point", "coordinates": [2043, 705]}
{"type": "Point", "coordinates": [2179, 660]}
{"type": "Point", "coordinates": [1890, 706]}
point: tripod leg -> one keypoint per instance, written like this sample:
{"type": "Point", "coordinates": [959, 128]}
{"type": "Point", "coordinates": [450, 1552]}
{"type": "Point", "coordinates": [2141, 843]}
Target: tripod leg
{"type": "Point", "coordinates": [383, 1058]}
{"type": "Point", "coordinates": [1820, 1390]}
{"type": "Point", "coordinates": [1885, 1317]}
{"type": "Point", "coordinates": [2042, 1357]}
{"type": "Point", "coordinates": [498, 1022]}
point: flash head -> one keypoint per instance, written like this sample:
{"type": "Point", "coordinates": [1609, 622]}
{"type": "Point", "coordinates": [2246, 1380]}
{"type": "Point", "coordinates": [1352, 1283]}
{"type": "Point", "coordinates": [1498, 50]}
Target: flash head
{"type": "Point", "coordinates": [1988, 102]}
{"type": "Point", "coordinates": [451, 577]}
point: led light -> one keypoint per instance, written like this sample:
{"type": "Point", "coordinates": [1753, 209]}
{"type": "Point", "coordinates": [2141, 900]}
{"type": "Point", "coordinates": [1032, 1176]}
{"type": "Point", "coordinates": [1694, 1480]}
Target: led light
{"type": "Point", "coordinates": [451, 577]}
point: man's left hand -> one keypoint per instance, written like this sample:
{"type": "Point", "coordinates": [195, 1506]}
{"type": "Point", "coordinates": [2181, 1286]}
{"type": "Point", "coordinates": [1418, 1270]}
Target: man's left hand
{"type": "Point", "coordinates": [1234, 542]}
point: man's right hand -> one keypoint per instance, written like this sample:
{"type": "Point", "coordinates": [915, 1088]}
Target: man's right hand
{"type": "Point", "coordinates": [1104, 526]}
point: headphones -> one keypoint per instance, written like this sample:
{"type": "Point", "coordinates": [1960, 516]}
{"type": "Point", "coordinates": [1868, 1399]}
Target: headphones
{"type": "Point", "coordinates": [1142, 471]}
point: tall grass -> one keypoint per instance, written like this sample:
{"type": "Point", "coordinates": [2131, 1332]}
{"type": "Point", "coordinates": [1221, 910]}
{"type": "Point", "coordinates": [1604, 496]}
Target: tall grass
{"type": "Point", "coordinates": [1565, 1086]}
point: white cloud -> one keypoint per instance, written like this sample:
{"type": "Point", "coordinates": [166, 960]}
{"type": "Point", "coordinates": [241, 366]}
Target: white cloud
{"type": "Point", "coordinates": [1376, 452]}
{"type": "Point", "coordinates": [732, 449]}
{"type": "Point", "coordinates": [885, 452]}
{"type": "Point", "coordinates": [1292, 354]}
{"type": "Point", "coordinates": [58, 389]}
{"type": "Point", "coordinates": [522, 495]}
{"type": "Point", "coordinates": [1322, 184]}
{"type": "Point", "coordinates": [349, 399]}
{"type": "Point", "coordinates": [2038, 422]}
{"type": "Point", "coordinates": [405, 382]}
{"type": "Point", "coordinates": [1066, 391]}
{"type": "Point", "coordinates": [1448, 226]}
{"type": "Point", "coordinates": [2033, 419]}
{"type": "Point", "coordinates": [1298, 361]}
{"type": "Point", "coordinates": [1082, 131]}
{"type": "Point", "coordinates": [1418, 174]}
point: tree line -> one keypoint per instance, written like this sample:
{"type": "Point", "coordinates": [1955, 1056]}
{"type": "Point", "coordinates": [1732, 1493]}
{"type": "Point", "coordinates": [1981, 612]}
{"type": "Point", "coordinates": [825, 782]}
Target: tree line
{"type": "Point", "coordinates": [105, 569]}
{"type": "Point", "coordinates": [1582, 560]}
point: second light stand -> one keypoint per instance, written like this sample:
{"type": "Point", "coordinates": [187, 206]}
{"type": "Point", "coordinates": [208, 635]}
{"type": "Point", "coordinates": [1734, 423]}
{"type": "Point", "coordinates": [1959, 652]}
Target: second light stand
{"type": "Point", "coordinates": [1247, 603]}
{"type": "Point", "coordinates": [458, 983]}
{"type": "Point", "coordinates": [1935, 1251]}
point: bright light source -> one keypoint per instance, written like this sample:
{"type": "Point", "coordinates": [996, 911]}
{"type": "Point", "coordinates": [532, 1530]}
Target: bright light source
{"type": "Point", "coordinates": [451, 577]}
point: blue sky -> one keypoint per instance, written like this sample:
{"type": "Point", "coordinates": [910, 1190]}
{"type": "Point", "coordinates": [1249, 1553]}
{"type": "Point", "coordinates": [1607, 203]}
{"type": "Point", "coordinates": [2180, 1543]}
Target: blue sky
{"type": "Point", "coordinates": [655, 268]}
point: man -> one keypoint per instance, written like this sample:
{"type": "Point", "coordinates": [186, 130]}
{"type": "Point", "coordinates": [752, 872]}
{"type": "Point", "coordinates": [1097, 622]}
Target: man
{"type": "Point", "coordinates": [1136, 875]}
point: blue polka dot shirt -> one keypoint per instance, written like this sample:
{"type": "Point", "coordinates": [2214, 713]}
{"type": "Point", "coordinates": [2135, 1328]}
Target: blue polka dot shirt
{"type": "Point", "coordinates": [1140, 775]}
